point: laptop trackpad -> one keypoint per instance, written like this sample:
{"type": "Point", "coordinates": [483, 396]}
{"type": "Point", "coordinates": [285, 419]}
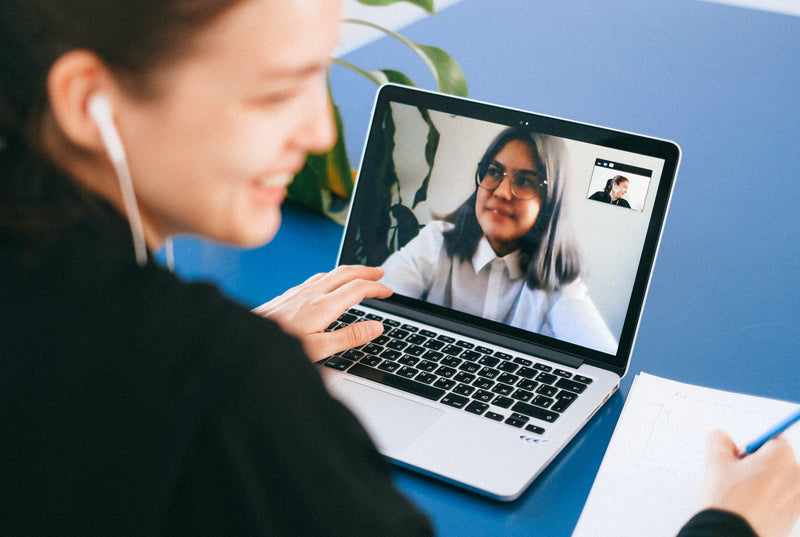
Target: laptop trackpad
{"type": "Point", "coordinates": [392, 421]}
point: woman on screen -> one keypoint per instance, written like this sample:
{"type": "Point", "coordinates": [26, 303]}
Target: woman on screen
{"type": "Point", "coordinates": [614, 192]}
{"type": "Point", "coordinates": [506, 254]}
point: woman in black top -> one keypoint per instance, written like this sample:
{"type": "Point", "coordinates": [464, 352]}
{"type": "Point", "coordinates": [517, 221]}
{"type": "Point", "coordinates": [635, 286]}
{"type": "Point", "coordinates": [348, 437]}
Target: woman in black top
{"type": "Point", "coordinates": [613, 193]}
{"type": "Point", "coordinates": [132, 403]}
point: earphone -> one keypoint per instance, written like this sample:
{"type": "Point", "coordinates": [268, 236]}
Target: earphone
{"type": "Point", "coordinates": [100, 111]}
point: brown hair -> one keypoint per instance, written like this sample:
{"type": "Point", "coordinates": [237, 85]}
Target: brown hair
{"type": "Point", "coordinates": [132, 38]}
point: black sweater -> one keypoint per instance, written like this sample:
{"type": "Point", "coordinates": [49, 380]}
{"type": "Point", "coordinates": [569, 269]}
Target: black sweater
{"type": "Point", "coordinates": [132, 403]}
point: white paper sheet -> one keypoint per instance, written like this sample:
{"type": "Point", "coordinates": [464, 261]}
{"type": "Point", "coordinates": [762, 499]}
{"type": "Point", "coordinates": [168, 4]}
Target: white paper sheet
{"type": "Point", "coordinates": [649, 479]}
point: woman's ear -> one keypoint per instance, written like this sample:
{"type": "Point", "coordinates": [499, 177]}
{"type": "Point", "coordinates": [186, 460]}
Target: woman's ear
{"type": "Point", "coordinates": [73, 80]}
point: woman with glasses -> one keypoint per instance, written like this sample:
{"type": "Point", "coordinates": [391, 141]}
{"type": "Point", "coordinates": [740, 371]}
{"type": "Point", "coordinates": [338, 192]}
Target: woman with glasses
{"type": "Point", "coordinates": [506, 254]}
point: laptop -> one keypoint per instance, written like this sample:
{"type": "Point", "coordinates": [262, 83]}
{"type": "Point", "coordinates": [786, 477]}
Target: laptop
{"type": "Point", "coordinates": [493, 358]}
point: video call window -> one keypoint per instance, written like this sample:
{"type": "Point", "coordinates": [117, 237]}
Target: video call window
{"type": "Point", "coordinates": [619, 185]}
{"type": "Point", "coordinates": [415, 182]}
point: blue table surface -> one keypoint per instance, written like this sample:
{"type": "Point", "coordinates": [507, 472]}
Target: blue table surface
{"type": "Point", "coordinates": [723, 309]}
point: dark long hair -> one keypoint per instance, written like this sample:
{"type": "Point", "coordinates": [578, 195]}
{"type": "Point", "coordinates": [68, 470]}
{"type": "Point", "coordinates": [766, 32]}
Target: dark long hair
{"type": "Point", "coordinates": [549, 256]}
{"type": "Point", "coordinates": [617, 179]}
{"type": "Point", "coordinates": [132, 38]}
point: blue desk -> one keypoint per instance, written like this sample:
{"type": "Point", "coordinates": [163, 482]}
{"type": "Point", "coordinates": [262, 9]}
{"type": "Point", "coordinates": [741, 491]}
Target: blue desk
{"type": "Point", "coordinates": [724, 303]}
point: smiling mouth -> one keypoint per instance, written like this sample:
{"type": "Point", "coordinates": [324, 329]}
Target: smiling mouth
{"type": "Point", "coordinates": [274, 181]}
{"type": "Point", "coordinates": [500, 212]}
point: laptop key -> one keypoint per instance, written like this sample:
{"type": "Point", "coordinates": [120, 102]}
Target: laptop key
{"type": "Point", "coordinates": [547, 390]}
{"type": "Point", "coordinates": [535, 412]}
{"type": "Point", "coordinates": [471, 355]}
{"type": "Point", "coordinates": [396, 381]}
{"type": "Point", "coordinates": [390, 367]}
{"type": "Point", "coordinates": [476, 407]}
{"type": "Point", "coordinates": [415, 350]}
{"type": "Point", "coordinates": [426, 378]}
{"type": "Point", "coordinates": [397, 345]}
{"type": "Point", "coordinates": [444, 384]}
{"type": "Point", "coordinates": [352, 354]}
{"type": "Point", "coordinates": [502, 401]}
{"type": "Point", "coordinates": [337, 362]}
{"type": "Point", "coordinates": [427, 366]}
{"type": "Point", "coordinates": [483, 383]}
{"type": "Point", "coordinates": [522, 395]}
{"type": "Point", "coordinates": [561, 405]}
{"type": "Point", "coordinates": [408, 360]}
{"type": "Point", "coordinates": [517, 420]}
{"type": "Point", "coordinates": [526, 372]}
{"type": "Point", "coordinates": [398, 333]}
{"type": "Point", "coordinates": [347, 318]}
{"type": "Point", "coordinates": [503, 389]}
{"type": "Point", "coordinates": [464, 389]}
{"type": "Point", "coordinates": [547, 378]}
{"type": "Point", "coordinates": [526, 384]}
{"type": "Point", "coordinates": [469, 367]}
{"type": "Point", "coordinates": [508, 367]}
{"type": "Point", "coordinates": [483, 395]}
{"type": "Point", "coordinates": [571, 385]}
{"type": "Point", "coordinates": [489, 373]}
{"type": "Point", "coordinates": [434, 344]}
{"type": "Point", "coordinates": [445, 371]}
{"type": "Point", "coordinates": [450, 361]}
{"type": "Point", "coordinates": [464, 377]}
{"type": "Point", "coordinates": [489, 361]}
{"type": "Point", "coordinates": [407, 372]}
{"type": "Point", "coordinates": [416, 339]}
{"type": "Point", "coordinates": [454, 400]}
{"type": "Point", "coordinates": [371, 361]}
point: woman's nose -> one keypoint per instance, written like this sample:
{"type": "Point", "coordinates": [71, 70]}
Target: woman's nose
{"type": "Point", "coordinates": [503, 190]}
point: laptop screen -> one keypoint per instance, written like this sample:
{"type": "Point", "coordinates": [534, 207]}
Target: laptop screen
{"type": "Point", "coordinates": [540, 229]}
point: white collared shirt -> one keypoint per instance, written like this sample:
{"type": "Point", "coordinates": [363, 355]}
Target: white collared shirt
{"type": "Point", "coordinates": [494, 288]}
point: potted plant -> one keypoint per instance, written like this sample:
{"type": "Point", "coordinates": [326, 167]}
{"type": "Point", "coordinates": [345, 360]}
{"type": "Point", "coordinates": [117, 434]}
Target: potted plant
{"type": "Point", "coordinates": [325, 184]}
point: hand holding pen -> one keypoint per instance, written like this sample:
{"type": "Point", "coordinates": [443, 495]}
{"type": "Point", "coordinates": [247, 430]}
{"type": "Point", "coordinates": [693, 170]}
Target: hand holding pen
{"type": "Point", "coordinates": [763, 487]}
{"type": "Point", "coordinates": [794, 417]}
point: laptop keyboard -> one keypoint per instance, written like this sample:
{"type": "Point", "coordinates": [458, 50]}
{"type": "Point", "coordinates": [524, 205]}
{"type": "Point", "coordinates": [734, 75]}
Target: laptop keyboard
{"type": "Point", "coordinates": [516, 391]}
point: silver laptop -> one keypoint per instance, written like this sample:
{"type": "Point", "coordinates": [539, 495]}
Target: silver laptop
{"type": "Point", "coordinates": [520, 248]}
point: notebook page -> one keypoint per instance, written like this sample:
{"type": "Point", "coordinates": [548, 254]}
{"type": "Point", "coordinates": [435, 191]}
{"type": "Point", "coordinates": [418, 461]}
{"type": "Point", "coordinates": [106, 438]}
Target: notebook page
{"type": "Point", "coordinates": [649, 480]}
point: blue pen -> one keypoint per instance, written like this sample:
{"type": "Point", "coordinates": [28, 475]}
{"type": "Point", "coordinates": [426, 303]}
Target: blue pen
{"type": "Point", "coordinates": [775, 431]}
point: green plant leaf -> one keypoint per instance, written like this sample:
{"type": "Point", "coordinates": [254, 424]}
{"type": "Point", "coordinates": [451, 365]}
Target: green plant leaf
{"type": "Point", "coordinates": [396, 77]}
{"type": "Point", "coordinates": [448, 74]}
{"type": "Point", "coordinates": [377, 77]}
{"type": "Point", "coordinates": [427, 5]}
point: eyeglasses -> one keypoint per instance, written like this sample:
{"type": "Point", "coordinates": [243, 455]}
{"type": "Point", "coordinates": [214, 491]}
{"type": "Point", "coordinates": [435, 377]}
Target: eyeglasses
{"type": "Point", "coordinates": [525, 184]}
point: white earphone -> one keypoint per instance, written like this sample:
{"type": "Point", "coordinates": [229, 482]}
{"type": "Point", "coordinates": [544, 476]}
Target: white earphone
{"type": "Point", "coordinates": [100, 111]}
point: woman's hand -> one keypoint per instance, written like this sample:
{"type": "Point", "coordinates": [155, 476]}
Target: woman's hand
{"type": "Point", "coordinates": [763, 487]}
{"type": "Point", "coordinates": [307, 310]}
